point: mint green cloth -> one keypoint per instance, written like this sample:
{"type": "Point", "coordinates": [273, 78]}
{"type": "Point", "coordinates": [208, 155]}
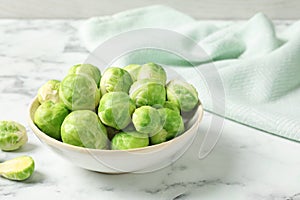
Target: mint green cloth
{"type": "Point", "coordinates": [260, 68]}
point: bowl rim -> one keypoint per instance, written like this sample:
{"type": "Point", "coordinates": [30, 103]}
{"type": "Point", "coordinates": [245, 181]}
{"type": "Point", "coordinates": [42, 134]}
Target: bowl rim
{"type": "Point", "coordinates": [51, 141]}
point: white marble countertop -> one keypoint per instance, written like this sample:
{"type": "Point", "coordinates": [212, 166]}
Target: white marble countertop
{"type": "Point", "coordinates": [245, 164]}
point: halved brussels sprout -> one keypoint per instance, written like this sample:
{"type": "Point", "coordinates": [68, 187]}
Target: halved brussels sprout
{"type": "Point", "coordinates": [147, 120]}
{"type": "Point", "coordinates": [49, 91]}
{"type": "Point", "coordinates": [172, 122]}
{"type": "Point", "coordinates": [152, 71]}
{"type": "Point", "coordinates": [17, 169]}
{"type": "Point", "coordinates": [87, 69]}
{"type": "Point", "coordinates": [79, 92]}
{"type": "Point", "coordinates": [133, 70]}
{"type": "Point", "coordinates": [12, 135]}
{"type": "Point", "coordinates": [130, 140]}
{"type": "Point", "coordinates": [115, 109]}
{"type": "Point", "coordinates": [49, 117]}
{"type": "Point", "coordinates": [148, 92]}
{"type": "Point", "coordinates": [83, 128]}
{"type": "Point", "coordinates": [183, 94]}
{"type": "Point", "coordinates": [159, 137]}
{"type": "Point", "coordinates": [115, 79]}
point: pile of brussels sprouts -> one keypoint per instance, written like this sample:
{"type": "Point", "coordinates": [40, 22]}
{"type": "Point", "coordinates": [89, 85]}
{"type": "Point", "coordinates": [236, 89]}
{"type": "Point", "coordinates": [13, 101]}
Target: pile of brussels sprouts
{"type": "Point", "coordinates": [125, 108]}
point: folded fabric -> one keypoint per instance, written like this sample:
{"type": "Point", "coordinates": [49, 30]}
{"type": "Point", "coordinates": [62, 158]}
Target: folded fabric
{"type": "Point", "coordinates": [260, 68]}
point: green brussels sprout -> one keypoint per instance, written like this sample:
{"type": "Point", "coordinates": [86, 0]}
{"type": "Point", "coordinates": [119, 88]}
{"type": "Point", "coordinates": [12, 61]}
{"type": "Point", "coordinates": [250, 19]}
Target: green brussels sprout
{"type": "Point", "coordinates": [147, 120]}
{"type": "Point", "coordinates": [12, 135]}
{"type": "Point", "coordinates": [115, 109]}
{"type": "Point", "coordinates": [83, 128]}
{"type": "Point", "coordinates": [49, 117]}
{"type": "Point", "coordinates": [171, 106]}
{"type": "Point", "coordinates": [148, 92]}
{"type": "Point", "coordinates": [183, 94]}
{"type": "Point", "coordinates": [172, 122]}
{"type": "Point", "coordinates": [49, 91]}
{"type": "Point", "coordinates": [159, 137]}
{"type": "Point", "coordinates": [115, 79]}
{"type": "Point", "coordinates": [130, 140]}
{"type": "Point", "coordinates": [79, 92]}
{"type": "Point", "coordinates": [87, 69]}
{"type": "Point", "coordinates": [152, 71]}
{"type": "Point", "coordinates": [17, 169]}
{"type": "Point", "coordinates": [133, 70]}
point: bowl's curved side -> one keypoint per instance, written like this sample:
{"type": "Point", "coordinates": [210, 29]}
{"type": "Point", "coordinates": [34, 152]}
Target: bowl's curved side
{"type": "Point", "coordinates": [118, 161]}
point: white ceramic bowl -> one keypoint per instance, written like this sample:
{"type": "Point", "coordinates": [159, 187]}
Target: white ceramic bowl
{"type": "Point", "coordinates": [139, 160]}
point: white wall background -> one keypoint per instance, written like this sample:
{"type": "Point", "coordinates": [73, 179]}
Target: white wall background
{"type": "Point", "coordinates": [200, 9]}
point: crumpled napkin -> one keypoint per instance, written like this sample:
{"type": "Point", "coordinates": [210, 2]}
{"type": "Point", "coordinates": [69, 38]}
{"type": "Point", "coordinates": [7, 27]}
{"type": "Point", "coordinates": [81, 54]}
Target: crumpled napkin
{"type": "Point", "coordinates": [259, 68]}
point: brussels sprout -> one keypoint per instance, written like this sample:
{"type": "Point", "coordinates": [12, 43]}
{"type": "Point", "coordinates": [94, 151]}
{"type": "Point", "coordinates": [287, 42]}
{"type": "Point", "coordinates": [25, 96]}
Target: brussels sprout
{"type": "Point", "coordinates": [172, 122]}
{"type": "Point", "coordinates": [79, 92]}
{"type": "Point", "coordinates": [115, 79]}
{"type": "Point", "coordinates": [115, 109]}
{"type": "Point", "coordinates": [152, 71]}
{"type": "Point", "coordinates": [49, 117]}
{"type": "Point", "coordinates": [159, 137]}
{"type": "Point", "coordinates": [133, 70]}
{"type": "Point", "coordinates": [49, 91]}
{"type": "Point", "coordinates": [130, 140]}
{"type": "Point", "coordinates": [147, 120]}
{"type": "Point", "coordinates": [183, 94]}
{"type": "Point", "coordinates": [83, 128]}
{"type": "Point", "coordinates": [12, 135]}
{"type": "Point", "coordinates": [148, 92]}
{"type": "Point", "coordinates": [171, 106]}
{"type": "Point", "coordinates": [87, 69]}
{"type": "Point", "coordinates": [17, 169]}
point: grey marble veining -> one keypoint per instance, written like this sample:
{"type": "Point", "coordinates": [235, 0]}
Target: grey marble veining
{"type": "Point", "coordinates": [246, 163]}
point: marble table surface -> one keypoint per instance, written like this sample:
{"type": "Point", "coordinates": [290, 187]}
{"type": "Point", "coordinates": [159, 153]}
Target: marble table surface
{"type": "Point", "coordinates": [245, 164]}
